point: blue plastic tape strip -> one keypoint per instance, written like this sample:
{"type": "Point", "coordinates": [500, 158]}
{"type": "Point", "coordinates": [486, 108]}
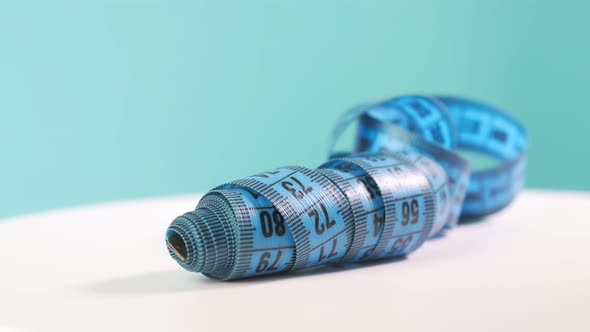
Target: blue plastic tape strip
{"type": "Point", "coordinates": [402, 184]}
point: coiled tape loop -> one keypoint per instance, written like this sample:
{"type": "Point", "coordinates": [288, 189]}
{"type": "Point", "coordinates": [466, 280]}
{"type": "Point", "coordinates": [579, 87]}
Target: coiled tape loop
{"type": "Point", "coordinates": [403, 184]}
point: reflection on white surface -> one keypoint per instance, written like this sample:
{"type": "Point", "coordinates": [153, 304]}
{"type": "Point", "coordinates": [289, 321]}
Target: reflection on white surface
{"type": "Point", "coordinates": [527, 268]}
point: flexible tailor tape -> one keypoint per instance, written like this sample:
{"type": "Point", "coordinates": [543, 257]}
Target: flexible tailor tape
{"type": "Point", "coordinates": [402, 184]}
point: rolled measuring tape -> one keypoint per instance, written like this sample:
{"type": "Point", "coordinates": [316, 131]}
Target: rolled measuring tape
{"type": "Point", "coordinates": [403, 183]}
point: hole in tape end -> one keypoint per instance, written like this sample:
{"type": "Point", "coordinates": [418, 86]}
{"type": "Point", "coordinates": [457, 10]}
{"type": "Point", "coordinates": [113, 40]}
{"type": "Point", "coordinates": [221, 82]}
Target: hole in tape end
{"type": "Point", "coordinates": [176, 244]}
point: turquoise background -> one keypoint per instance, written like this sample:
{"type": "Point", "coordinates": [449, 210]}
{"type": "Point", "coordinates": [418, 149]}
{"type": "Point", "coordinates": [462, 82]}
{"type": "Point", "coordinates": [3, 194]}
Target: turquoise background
{"type": "Point", "coordinates": [112, 100]}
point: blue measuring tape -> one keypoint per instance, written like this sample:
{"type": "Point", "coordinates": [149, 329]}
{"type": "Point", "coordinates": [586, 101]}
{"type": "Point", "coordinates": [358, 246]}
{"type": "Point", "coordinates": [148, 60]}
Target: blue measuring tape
{"type": "Point", "coordinates": [403, 183]}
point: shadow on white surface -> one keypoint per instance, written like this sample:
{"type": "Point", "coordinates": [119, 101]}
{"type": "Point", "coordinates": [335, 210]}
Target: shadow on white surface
{"type": "Point", "coordinates": [159, 282]}
{"type": "Point", "coordinates": [179, 281]}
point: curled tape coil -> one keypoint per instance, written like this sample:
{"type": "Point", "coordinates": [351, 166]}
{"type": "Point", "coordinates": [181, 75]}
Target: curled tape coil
{"type": "Point", "coordinates": [402, 184]}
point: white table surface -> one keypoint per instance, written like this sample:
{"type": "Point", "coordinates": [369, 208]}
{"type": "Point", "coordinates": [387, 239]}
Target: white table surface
{"type": "Point", "coordinates": [105, 268]}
